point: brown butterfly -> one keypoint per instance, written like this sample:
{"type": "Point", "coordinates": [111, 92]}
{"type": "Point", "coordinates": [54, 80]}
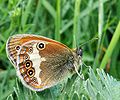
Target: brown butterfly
{"type": "Point", "coordinates": [41, 62]}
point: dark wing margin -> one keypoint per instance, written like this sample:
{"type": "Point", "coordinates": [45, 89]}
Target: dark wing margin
{"type": "Point", "coordinates": [11, 48]}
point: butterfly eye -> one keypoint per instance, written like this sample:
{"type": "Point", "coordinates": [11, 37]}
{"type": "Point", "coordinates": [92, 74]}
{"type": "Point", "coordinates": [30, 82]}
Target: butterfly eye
{"type": "Point", "coordinates": [41, 46]}
{"type": "Point", "coordinates": [79, 52]}
{"type": "Point", "coordinates": [31, 72]}
{"type": "Point", "coordinates": [28, 64]}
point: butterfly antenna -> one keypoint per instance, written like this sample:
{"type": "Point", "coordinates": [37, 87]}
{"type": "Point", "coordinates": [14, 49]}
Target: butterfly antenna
{"type": "Point", "coordinates": [86, 65]}
{"type": "Point", "coordinates": [94, 39]}
{"type": "Point", "coordinates": [79, 74]}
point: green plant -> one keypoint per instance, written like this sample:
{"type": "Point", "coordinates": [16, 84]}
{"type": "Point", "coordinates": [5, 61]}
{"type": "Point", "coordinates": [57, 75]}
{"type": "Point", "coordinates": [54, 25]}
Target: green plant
{"type": "Point", "coordinates": [102, 87]}
{"type": "Point", "coordinates": [72, 22]}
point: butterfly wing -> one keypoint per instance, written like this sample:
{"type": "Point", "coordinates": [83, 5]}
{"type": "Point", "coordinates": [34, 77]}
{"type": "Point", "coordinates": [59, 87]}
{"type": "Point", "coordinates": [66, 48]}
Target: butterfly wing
{"type": "Point", "coordinates": [14, 43]}
{"type": "Point", "coordinates": [40, 62]}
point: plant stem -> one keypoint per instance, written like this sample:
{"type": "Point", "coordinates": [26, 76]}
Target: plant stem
{"type": "Point", "coordinates": [49, 8]}
{"type": "Point", "coordinates": [26, 13]}
{"type": "Point", "coordinates": [111, 46]}
{"type": "Point", "coordinates": [100, 30]}
{"type": "Point", "coordinates": [35, 21]}
{"type": "Point", "coordinates": [57, 22]}
{"type": "Point", "coordinates": [75, 24]}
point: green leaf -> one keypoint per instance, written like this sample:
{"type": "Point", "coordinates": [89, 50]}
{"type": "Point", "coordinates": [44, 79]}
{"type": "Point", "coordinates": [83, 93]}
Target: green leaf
{"type": "Point", "coordinates": [102, 87]}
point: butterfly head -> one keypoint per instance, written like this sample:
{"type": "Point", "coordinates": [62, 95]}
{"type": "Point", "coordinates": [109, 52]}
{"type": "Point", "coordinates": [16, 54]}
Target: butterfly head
{"type": "Point", "coordinates": [79, 51]}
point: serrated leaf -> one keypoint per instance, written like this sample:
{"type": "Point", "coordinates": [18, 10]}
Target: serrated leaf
{"type": "Point", "coordinates": [103, 87]}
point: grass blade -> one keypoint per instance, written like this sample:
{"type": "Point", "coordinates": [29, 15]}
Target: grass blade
{"type": "Point", "coordinates": [100, 31]}
{"type": "Point", "coordinates": [57, 21]}
{"type": "Point", "coordinates": [49, 7]}
{"type": "Point", "coordinates": [111, 47]}
{"type": "Point", "coordinates": [75, 24]}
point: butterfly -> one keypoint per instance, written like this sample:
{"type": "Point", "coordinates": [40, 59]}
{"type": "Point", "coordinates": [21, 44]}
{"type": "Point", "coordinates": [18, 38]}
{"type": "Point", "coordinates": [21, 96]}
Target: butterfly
{"type": "Point", "coordinates": [41, 62]}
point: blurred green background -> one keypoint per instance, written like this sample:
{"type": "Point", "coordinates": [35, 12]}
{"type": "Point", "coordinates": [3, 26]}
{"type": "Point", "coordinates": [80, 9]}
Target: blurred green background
{"type": "Point", "coordinates": [72, 22]}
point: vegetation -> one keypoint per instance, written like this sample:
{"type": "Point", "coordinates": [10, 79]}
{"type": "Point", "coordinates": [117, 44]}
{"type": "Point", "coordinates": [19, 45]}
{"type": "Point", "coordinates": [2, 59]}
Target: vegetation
{"type": "Point", "coordinates": [72, 22]}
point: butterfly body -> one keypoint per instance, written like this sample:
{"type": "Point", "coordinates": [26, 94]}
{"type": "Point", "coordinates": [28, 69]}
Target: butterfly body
{"type": "Point", "coordinates": [41, 62]}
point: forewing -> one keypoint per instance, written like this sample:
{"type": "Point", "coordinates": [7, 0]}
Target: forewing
{"type": "Point", "coordinates": [14, 44]}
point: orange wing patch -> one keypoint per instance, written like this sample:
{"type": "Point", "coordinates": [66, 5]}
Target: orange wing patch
{"type": "Point", "coordinates": [14, 43]}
